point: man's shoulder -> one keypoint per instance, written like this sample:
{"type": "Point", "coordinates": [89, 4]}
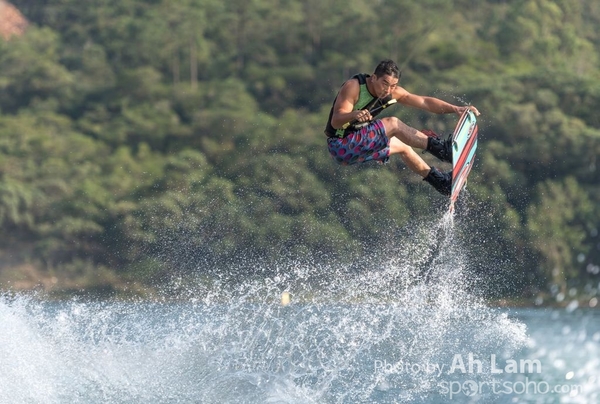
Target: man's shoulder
{"type": "Point", "coordinates": [400, 93]}
{"type": "Point", "coordinates": [351, 87]}
{"type": "Point", "coordinates": [361, 78]}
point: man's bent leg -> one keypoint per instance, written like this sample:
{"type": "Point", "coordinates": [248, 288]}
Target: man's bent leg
{"type": "Point", "coordinates": [412, 160]}
{"type": "Point", "coordinates": [394, 127]}
{"type": "Point", "coordinates": [442, 182]}
{"type": "Point", "coordinates": [442, 149]}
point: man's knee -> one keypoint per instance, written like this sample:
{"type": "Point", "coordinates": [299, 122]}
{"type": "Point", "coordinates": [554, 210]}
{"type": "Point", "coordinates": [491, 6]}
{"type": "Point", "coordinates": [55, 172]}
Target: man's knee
{"type": "Point", "coordinates": [392, 120]}
{"type": "Point", "coordinates": [391, 124]}
{"type": "Point", "coordinates": [395, 127]}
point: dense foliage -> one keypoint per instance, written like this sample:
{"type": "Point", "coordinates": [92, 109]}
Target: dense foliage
{"type": "Point", "coordinates": [139, 138]}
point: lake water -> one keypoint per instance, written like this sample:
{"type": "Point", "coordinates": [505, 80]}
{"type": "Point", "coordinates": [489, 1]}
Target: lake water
{"type": "Point", "coordinates": [78, 352]}
{"type": "Point", "coordinates": [393, 334]}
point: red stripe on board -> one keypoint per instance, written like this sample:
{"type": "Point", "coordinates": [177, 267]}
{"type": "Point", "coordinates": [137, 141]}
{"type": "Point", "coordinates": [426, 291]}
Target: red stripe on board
{"type": "Point", "coordinates": [461, 182]}
{"type": "Point", "coordinates": [465, 152]}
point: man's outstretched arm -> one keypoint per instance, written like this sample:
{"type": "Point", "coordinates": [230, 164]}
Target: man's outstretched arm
{"type": "Point", "coordinates": [432, 104]}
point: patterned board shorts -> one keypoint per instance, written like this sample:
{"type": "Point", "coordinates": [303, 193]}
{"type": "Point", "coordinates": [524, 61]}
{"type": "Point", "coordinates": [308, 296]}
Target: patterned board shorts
{"type": "Point", "coordinates": [366, 144]}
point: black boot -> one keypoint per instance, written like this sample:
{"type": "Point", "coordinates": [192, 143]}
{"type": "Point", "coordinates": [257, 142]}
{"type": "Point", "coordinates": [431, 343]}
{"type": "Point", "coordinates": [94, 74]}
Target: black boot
{"type": "Point", "coordinates": [442, 149]}
{"type": "Point", "coordinates": [442, 182]}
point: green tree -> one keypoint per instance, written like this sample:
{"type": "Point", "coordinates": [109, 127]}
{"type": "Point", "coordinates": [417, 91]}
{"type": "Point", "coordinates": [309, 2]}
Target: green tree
{"type": "Point", "coordinates": [32, 75]}
{"type": "Point", "coordinates": [558, 225]}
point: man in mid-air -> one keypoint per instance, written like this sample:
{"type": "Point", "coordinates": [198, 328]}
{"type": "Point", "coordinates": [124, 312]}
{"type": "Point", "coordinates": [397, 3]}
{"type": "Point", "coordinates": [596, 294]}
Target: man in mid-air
{"type": "Point", "coordinates": [355, 136]}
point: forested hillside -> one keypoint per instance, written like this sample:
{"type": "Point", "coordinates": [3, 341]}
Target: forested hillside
{"type": "Point", "coordinates": [141, 139]}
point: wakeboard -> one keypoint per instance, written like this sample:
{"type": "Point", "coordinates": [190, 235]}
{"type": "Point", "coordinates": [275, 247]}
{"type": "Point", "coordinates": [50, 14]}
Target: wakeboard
{"type": "Point", "coordinates": [464, 145]}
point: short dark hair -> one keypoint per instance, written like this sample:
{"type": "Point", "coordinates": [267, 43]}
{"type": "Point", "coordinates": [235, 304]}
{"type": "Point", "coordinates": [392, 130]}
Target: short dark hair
{"type": "Point", "coordinates": [387, 67]}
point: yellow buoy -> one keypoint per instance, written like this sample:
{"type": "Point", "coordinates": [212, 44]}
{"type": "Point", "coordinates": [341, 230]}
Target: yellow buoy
{"type": "Point", "coordinates": [285, 298]}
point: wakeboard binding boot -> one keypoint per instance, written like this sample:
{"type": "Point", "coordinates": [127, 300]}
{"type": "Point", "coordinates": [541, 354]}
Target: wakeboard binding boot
{"type": "Point", "coordinates": [442, 182]}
